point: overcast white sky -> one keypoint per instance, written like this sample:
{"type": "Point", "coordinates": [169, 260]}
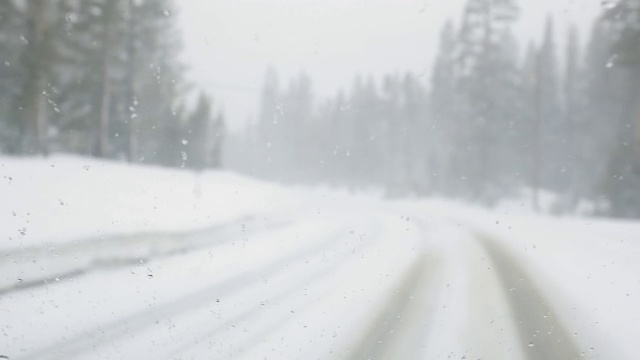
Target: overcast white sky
{"type": "Point", "coordinates": [230, 43]}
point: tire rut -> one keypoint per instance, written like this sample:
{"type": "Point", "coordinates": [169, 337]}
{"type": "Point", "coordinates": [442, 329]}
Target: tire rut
{"type": "Point", "coordinates": [127, 251]}
{"type": "Point", "coordinates": [400, 325]}
{"type": "Point", "coordinates": [198, 299]}
{"type": "Point", "coordinates": [541, 332]}
{"type": "Point", "coordinates": [283, 321]}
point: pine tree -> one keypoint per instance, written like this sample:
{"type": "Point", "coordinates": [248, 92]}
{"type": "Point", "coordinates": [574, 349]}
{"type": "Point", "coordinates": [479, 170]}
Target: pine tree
{"type": "Point", "coordinates": [623, 175]}
{"type": "Point", "coordinates": [446, 154]}
{"type": "Point", "coordinates": [487, 62]}
{"type": "Point", "coordinates": [417, 139]}
{"type": "Point", "coordinates": [364, 126]}
{"type": "Point", "coordinates": [203, 136]}
{"type": "Point", "coordinates": [391, 105]}
{"type": "Point", "coordinates": [198, 134]}
{"type": "Point", "coordinates": [36, 57]}
{"type": "Point", "coordinates": [12, 28]}
{"type": "Point", "coordinates": [92, 62]}
{"type": "Point", "coordinates": [12, 72]}
{"type": "Point", "coordinates": [528, 129]}
{"type": "Point", "coordinates": [602, 107]}
{"type": "Point", "coordinates": [296, 122]}
{"type": "Point", "coordinates": [132, 68]}
{"type": "Point", "coordinates": [120, 60]}
{"type": "Point", "coordinates": [218, 135]}
{"type": "Point", "coordinates": [574, 129]}
{"type": "Point", "coordinates": [158, 89]}
{"type": "Point", "coordinates": [624, 15]}
{"type": "Point", "coordinates": [549, 137]}
{"type": "Point", "coordinates": [336, 118]}
{"type": "Point", "coordinates": [554, 163]}
{"type": "Point", "coordinates": [268, 125]}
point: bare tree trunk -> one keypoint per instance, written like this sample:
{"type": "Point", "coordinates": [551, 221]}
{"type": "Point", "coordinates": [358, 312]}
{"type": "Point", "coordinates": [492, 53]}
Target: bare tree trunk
{"type": "Point", "coordinates": [132, 143]}
{"type": "Point", "coordinates": [35, 117]}
{"type": "Point", "coordinates": [103, 119]}
{"type": "Point", "coordinates": [572, 191]}
{"type": "Point", "coordinates": [105, 88]}
{"type": "Point", "coordinates": [537, 120]}
{"type": "Point", "coordinates": [636, 122]}
{"type": "Point", "coordinates": [485, 142]}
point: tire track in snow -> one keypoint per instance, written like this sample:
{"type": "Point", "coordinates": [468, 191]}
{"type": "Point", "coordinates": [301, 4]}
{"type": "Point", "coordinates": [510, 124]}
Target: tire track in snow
{"type": "Point", "coordinates": [398, 327]}
{"type": "Point", "coordinates": [122, 327]}
{"type": "Point", "coordinates": [112, 253]}
{"type": "Point", "coordinates": [307, 282]}
{"type": "Point", "coordinates": [541, 332]}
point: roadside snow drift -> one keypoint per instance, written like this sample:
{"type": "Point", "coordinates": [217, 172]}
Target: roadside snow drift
{"type": "Point", "coordinates": [105, 260]}
{"type": "Point", "coordinates": [64, 198]}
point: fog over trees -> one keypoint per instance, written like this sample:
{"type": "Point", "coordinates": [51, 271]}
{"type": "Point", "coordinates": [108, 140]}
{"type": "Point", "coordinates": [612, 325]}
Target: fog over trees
{"type": "Point", "coordinates": [496, 117]}
{"type": "Point", "coordinates": [100, 78]}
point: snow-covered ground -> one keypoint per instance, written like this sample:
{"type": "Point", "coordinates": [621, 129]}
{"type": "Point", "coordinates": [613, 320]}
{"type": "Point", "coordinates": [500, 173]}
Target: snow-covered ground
{"type": "Point", "coordinates": [63, 198]}
{"type": "Point", "coordinates": [105, 260]}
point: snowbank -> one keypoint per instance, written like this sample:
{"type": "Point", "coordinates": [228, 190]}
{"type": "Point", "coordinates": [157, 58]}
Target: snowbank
{"type": "Point", "coordinates": [66, 198]}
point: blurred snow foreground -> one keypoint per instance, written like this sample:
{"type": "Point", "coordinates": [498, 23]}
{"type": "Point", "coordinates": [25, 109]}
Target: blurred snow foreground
{"type": "Point", "coordinates": [103, 260]}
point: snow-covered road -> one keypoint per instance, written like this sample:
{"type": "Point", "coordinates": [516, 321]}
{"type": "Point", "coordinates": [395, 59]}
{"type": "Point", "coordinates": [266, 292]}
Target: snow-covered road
{"type": "Point", "coordinates": [329, 276]}
{"type": "Point", "coordinates": [328, 283]}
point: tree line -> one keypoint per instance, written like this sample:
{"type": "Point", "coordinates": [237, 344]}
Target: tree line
{"type": "Point", "coordinates": [495, 118]}
{"type": "Point", "coordinates": [101, 78]}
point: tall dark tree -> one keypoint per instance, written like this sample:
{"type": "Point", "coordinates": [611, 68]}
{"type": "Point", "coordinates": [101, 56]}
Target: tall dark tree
{"type": "Point", "coordinates": [623, 181]}
{"type": "Point", "coordinates": [97, 77]}
{"type": "Point", "coordinates": [553, 151]}
{"type": "Point", "coordinates": [92, 67]}
{"type": "Point", "coordinates": [573, 93]}
{"type": "Point", "coordinates": [217, 137]}
{"type": "Point", "coordinates": [602, 108]}
{"type": "Point", "coordinates": [12, 72]}
{"type": "Point", "coordinates": [417, 136]}
{"type": "Point", "coordinates": [109, 20]}
{"type": "Point", "coordinates": [131, 100]}
{"type": "Point", "coordinates": [624, 16]}
{"type": "Point", "coordinates": [447, 154]}
{"type": "Point", "coordinates": [364, 122]}
{"type": "Point", "coordinates": [487, 56]}
{"type": "Point", "coordinates": [297, 118]}
{"type": "Point", "coordinates": [204, 136]}
{"type": "Point", "coordinates": [545, 112]}
{"type": "Point", "coordinates": [37, 69]}
{"type": "Point", "coordinates": [529, 134]}
{"type": "Point", "coordinates": [159, 87]}
{"type": "Point", "coordinates": [123, 81]}
{"type": "Point", "coordinates": [268, 127]}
